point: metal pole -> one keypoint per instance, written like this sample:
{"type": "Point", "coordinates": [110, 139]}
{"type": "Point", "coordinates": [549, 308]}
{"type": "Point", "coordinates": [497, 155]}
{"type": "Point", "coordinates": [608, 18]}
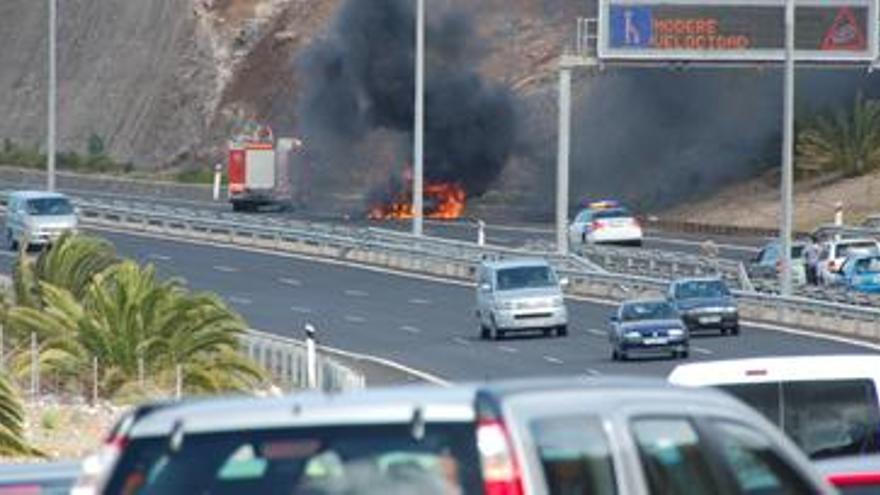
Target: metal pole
{"type": "Point", "coordinates": [218, 172]}
{"type": "Point", "coordinates": [178, 389]}
{"type": "Point", "coordinates": [50, 138]}
{"type": "Point", "coordinates": [419, 134]}
{"type": "Point", "coordinates": [562, 162]}
{"type": "Point", "coordinates": [787, 151]}
{"type": "Point", "coordinates": [311, 358]}
{"type": "Point", "coordinates": [35, 374]}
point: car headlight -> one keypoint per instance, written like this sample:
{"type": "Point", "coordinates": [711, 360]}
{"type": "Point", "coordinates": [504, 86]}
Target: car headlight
{"type": "Point", "coordinates": [730, 309]}
{"type": "Point", "coordinates": [676, 332]}
{"type": "Point", "coordinates": [632, 335]}
{"type": "Point", "coordinates": [506, 305]}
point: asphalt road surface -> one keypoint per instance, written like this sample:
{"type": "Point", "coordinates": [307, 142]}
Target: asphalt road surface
{"type": "Point", "coordinates": [425, 324]}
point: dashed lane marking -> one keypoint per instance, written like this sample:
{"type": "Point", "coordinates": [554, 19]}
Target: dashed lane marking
{"type": "Point", "coordinates": [225, 269]}
{"type": "Point", "coordinates": [423, 302]}
{"type": "Point", "coordinates": [301, 309]}
{"type": "Point", "coordinates": [700, 350]}
{"type": "Point", "coordinates": [355, 319]}
{"type": "Point", "coordinates": [510, 350]}
{"type": "Point", "coordinates": [410, 329]}
{"type": "Point", "coordinates": [160, 257]}
{"type": "Point", "coordinates": [459, 340]}
{"type": "Point", "coordinates": [291, 282]}
{"type": "Point", "coordinates": [592, 372]}
{"type": "Point", "coordinates": [355, 293]}
{"type": "Point", "coordinates": [239, 300]}
{"type": "Point", "coordinates": [551, 359]}
{"type": "Point", "coordinates": [596, 332]}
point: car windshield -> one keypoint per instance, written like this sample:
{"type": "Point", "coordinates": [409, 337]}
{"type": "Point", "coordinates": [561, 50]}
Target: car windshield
{"type": "Point", "coordinates": [612, 213]}
{"type": "Point", "coordinates": [701, 288]}
{"type": "Point", "coordinates": [867, 247]}
{"type": "Point", "coordinates": [526, 277]}
{"type": "Point", "coordinates": [659, 310]}
{"type": "Point", "coordinates": [49, 206]}
{"type": "Point", "coordinates": [868, 266]}
{"type": "Point", "coordinates": [379, 459]}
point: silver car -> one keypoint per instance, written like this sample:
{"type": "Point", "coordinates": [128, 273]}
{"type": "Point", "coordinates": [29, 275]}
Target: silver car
{"type": "Point", "coordinates": [37, 218]}
{"type": "Point", "coordinates": [520, 295]}
{"type": "Point", "coordinates": [548, 436]}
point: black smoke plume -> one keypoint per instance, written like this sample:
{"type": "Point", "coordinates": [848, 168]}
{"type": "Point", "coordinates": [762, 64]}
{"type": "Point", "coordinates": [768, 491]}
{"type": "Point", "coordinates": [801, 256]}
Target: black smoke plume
{"type": "Point", "coordinates": [360, 79]}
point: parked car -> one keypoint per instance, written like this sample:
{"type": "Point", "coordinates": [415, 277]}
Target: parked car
{"type": "Point", "coordinates": [705, 304]}
{"type": "Point", "coordinates": [520, 295]}
{"type": "Point", "coordinates": [38, 218]}
{"type": "Point", "coordinates": [38, 478]}
{"type": "Point", "coordinates": [553, 436]}
{"type": "Point", "coordinates": [768, 262]}
{"type": "Point", "coordinates": [647, 326]}
{"type": "Point", "coordinates": [872, 222]}
{"type": "Point", "coordinates": [834, 252]}
{"type": "Point", "coordinates": [605, 222]}
{"type": "Point", "coordinates": [861, 272]}
{"type": "Point", "coordinates": [852, 475]}
{"type": "Point", "coordinates": [827, 404]}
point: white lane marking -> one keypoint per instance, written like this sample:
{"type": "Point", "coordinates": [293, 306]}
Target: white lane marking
{"type": "Point", "coordinates": [225, 269]}
{"type": "Point", "coordinates": [301, 309]}
{"type": "Point", "coordinates": [355, 319]}
{"type": "Point", "coordinates": [442, 280]}
{"type": "Point", "coordinates": [592, 372]}
{"type": "Point", "coordinates": [597, 332]}
{"type": "Point", "coordinates": [411, 329]}
{"type": "Point", "coordinates": [459, 340]}
{"type": "Point", "coordinates": [510, 350]}
{"type": "Point", "coordinates": [239, 300]}
{"type": "Point", "coordinates": [160, 257]}
{"type": "Point", "coordinates": [291, 282]}
{"type": "Point", "coordinates": [419, 301]}
{"type": "Point", "coordinates": [355, 293]}
{"type": "Point", "coordinates": [551, 359]}
{"type": "Point", "coordinates": [700, 350]}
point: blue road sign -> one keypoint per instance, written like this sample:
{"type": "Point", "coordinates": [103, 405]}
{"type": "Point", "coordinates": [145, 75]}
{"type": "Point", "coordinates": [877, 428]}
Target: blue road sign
{"type": "Point", "coordinates": [630, 26]}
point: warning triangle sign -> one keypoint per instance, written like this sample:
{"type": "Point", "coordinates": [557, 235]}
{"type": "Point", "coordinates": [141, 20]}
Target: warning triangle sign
{"type": "Point", "coordinates": [845, 33]}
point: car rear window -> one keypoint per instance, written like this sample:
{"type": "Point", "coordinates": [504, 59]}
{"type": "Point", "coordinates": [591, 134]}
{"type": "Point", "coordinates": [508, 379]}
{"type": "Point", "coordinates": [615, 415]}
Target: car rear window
{"type": "Point", "coordinates": [575, 455]}
{"type": "Point", "coordinates": [612, 213]}
{"type": "Point", "coordinates": [826, 418]}
{"type": "Point", "coordinates": [380, 459]}
{"type": "Point", "coordinates": [844, 250]}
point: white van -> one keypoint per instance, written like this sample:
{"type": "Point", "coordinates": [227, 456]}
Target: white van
{"type": "Point", "coordinates": [827, 404]}
{"type": "Point", "coordinates": [38, 218]}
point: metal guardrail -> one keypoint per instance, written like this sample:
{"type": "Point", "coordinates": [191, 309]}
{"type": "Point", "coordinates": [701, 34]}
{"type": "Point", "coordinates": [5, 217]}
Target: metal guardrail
{"type": "Point", "coordinates": [286, 361]}
{"type": "Point", "coordinates": [457, 259]}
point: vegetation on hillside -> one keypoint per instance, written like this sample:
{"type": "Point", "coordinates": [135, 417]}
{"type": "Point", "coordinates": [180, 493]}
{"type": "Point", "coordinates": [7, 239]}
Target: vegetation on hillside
{"type": "Point", "coordinates": [842, 142]}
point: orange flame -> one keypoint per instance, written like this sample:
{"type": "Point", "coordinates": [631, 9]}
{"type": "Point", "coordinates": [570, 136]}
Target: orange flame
{"type": "Point", "coordinates": [445, 201]}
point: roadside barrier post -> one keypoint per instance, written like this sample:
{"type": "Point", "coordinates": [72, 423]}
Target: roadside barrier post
{"type": "Point", "coordinates": [178, 392]}
{"type": "Point", "coordinates": [218, 171]}
{"type": "Point", "coordinates": [838, 218]}
{"type": "Point", "coordinates": [311, 357]}
{"type": "Point", "coordinates": [481, 233]}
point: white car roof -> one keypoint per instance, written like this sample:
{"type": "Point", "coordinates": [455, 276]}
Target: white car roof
{"type": "Point", "coordinates": [515, 263]}
{"type": "Point", "coordinates": [36, 194]}
{"type": "Point", "coordinates": [760, 370]}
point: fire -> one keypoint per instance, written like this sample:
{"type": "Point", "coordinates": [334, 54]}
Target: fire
{"type": "Point", "coordinates": [443, 200]}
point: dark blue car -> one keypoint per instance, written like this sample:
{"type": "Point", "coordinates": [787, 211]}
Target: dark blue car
{"type": "Point", "coordinates": [648, 326]}
{"type": "Point", "coordinates": [705, 304]}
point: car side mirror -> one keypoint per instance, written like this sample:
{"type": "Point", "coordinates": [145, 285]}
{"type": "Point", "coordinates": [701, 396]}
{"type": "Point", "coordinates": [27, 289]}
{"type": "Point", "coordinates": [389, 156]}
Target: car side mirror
{"type": "Point", "coordinates": [485, 287]}
{"type": "Point", "coordinates": [564, 282]}
{"type": "Point", "coordinates": [613, 318]}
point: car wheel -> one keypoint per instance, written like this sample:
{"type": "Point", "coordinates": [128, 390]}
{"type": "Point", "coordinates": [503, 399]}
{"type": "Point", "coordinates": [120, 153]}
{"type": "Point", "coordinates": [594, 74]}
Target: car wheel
{"type": "Point", "coordinates": [562, 331]}
{"type": "Point", "coordinates": [735, 330]}
{"type": "Point", "coordinates": [684, 354]}
{"type": "Point", "coordinates": [622, 355]}
{"type": "Point", "coordinates": [614, 355]}
{"type": "Point", "coordinates": [583, 238]}
{"type": "Point", "coordinates": [548, 332]}
{"type": "Point", "coordinates": [485, 332]}
{"type": "Point", "coordinates": [497, 334]}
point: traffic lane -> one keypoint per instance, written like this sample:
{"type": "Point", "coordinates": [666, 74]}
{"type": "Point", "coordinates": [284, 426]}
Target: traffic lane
{"type": "Point", "coordinates": [423, 324]}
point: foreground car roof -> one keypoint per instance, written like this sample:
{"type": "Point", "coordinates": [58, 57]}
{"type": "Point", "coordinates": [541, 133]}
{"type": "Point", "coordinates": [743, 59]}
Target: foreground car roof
{"type": "Point", "coordinates": [391, 405]}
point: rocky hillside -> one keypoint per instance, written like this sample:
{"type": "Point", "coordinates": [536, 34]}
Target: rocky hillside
{"type": "Point", "coordinates": [163, 82]}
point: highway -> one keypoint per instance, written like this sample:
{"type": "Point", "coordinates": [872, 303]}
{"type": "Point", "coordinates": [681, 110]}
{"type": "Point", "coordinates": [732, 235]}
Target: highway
{"type": "Point", "coordinates": [424, 324]}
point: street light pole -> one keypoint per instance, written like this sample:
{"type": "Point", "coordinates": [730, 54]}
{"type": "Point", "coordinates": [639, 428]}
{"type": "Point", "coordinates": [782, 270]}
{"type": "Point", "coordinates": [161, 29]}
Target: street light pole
{"type": "Point", "coordinates": [50, 138]}
{"type": "Point", "coordinates": [787, 150]}
{"type": "Point", "coordinates": [419, 134]}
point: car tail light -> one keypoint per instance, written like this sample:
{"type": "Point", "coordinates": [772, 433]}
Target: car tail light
{"type": "Point", "coordinates": [636, 223]}
{"type": "Point", "coordinates": [854, 479]}
{"type": "Point", "coordinates": [501, 473]}
{"type": "Point", "coordinates": [598, 224]}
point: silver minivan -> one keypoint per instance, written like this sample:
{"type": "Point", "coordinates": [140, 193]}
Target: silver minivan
{"type": "Point", "coordinates": [603, 436]}
{"type": "Point", "coordinates": [520, 295]}
{"type": "Point", "coordinates": [38, 218]}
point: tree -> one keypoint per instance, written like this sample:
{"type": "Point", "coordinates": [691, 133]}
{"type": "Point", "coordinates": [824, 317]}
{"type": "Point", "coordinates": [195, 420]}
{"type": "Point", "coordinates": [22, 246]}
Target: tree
{"type": "Point", "coordinates": [12, 441]}
{"type": "Point", "coordinates": [126, 317]}
{"type": "Point", "coordinates": [844, 141]}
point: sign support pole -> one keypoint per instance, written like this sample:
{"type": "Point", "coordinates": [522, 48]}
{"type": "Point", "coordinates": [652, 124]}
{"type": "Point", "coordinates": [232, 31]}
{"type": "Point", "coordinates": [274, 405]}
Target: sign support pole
{"type": "Point", "coordinates": [562, 160]}
{"type": "Point", "coordinates": [787, 151]}
{"type": "Point", "coordinates": [419, 134]}
{"type": "Point", "coordinates": [50, 134]}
